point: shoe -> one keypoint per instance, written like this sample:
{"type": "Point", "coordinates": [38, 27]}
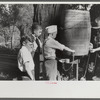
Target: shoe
{"type": "Point", "coordinates": [95, 78]}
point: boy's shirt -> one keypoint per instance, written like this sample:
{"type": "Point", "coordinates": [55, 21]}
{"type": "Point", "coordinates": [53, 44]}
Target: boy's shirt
{"type": "Point", "coordinates": [50, 46]}
{"type": "Point", "coordinates": [25, 56]}
{"type": "Point", "coordinates": [35, 44]}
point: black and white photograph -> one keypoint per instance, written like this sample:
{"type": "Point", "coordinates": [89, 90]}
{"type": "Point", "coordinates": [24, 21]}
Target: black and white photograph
{"type": "Point", "coordinates": [50, 49]}
{"type": "Point", "coordinates": [50, 42]}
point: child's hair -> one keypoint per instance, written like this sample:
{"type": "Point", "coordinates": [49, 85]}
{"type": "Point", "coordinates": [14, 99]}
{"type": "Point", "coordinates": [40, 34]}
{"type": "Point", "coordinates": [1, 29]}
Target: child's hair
{"type": "Point", "coordinates": [35, 26]}
{"type": "Point", "coordinates": [26, 38]}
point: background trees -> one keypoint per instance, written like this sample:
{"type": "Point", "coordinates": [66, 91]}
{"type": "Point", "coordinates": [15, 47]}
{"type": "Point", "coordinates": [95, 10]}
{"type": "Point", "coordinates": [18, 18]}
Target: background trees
{"type": "Point", "coordinates": [17, 20]}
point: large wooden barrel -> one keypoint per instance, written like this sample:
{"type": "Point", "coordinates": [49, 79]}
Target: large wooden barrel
{"type": "Point", "coordinates": [76, 30]}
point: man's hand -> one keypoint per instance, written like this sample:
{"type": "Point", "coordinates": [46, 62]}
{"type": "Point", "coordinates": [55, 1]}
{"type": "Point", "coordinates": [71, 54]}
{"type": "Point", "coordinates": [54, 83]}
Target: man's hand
{"type": "Point", "coordinates": [73, 51]}
{"type": "Point", "coordinates": [92, 50]}
{"type": "Point", "coordinates": [90, 46]}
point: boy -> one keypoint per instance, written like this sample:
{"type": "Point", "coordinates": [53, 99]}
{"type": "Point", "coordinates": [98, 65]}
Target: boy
{"type": "Point", "coordinates": [36, 32]}
{"type": "Point", "coordinates": [50, 47]}
{"type": "Point", "coordinates": [25, 60]}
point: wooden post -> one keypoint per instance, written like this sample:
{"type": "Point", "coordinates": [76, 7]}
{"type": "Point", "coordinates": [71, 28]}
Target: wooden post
{"type": "Point", "coordinates": [77, 69]}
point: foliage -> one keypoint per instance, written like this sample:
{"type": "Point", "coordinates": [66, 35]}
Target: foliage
{"type": "Point", "coordinates": [78, 6]}
{"type": "Point", "coordinates": [26, 13]}
{"type": "Point", "coordinates": [9, 14]}
{"type": "Point", "coordinates": [15, 16]}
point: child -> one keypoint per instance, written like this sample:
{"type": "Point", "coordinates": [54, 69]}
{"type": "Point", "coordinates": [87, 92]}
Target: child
{"type": "Point", "coordinates": [36, 32]}
{"type": "Point", "coordinates": [50, 47]}
{"type": "Point", "coordinates": [25, 60]}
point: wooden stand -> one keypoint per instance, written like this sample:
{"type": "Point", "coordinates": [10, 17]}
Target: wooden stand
{"type": "Point", "coordinates": [75, 62]}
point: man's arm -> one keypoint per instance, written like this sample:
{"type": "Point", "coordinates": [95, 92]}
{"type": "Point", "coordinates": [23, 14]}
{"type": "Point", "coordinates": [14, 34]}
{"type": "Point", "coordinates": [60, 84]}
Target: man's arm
{"type": "Point", "coordinates": [94, 50]}
{"type": "Point", "coordinates": [56, 45]}
{"type": "Point", "coordinates": [68, 49]}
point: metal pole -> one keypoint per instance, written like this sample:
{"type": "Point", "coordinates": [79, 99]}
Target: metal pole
{"type": "Point", "coordinates": [77, 69]}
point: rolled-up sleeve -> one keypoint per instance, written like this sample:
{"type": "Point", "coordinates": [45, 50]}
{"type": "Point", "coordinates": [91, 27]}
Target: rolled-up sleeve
{"type": "Point", "coordinates": [55, 44]}
{"type": "Point", "coordinates": [25, 56]}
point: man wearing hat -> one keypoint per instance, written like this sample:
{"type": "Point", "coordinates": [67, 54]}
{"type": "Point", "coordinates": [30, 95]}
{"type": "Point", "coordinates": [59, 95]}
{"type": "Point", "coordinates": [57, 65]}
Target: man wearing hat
{"type": "Point", "coordinates": [50, 46]}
